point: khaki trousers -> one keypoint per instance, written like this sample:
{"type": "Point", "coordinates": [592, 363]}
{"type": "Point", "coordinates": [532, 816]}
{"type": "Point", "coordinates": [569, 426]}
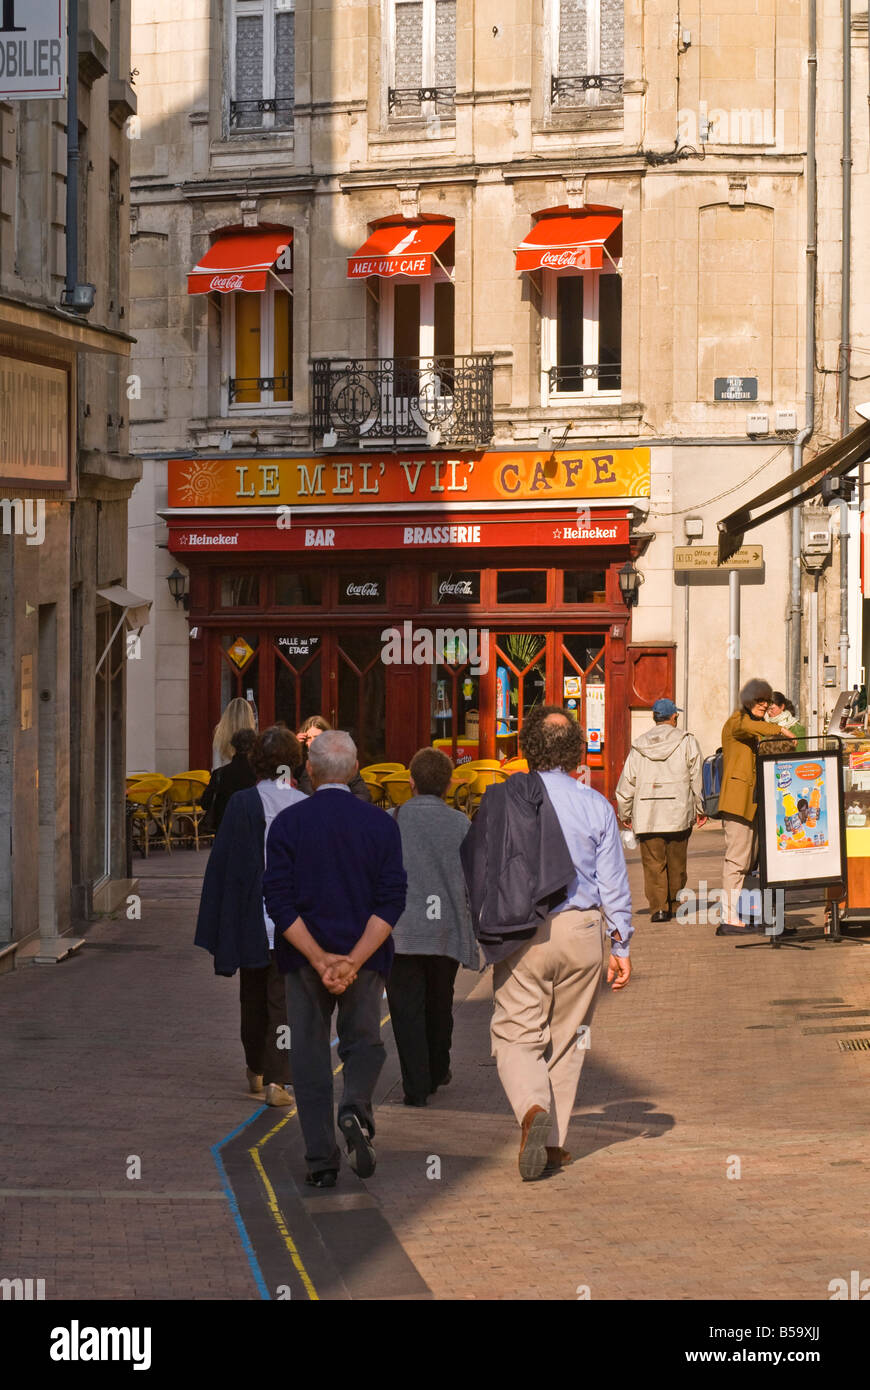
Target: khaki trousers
{"type": "Point", "coordinates": [741, 848]}
{"type": "Point", "coordinates": [664, 867]}
{"type": "Point", "coordinates": [544, 993]}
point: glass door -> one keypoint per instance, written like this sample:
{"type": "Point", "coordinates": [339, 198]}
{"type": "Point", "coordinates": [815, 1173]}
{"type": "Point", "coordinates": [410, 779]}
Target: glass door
{"type": "Point", "coordinates": [358, 690]}
{"type": "Point", "coordinates": [583, 693]}
{"type": "Point", "coordinates": [298, 670]}
{"type": "Point", "coordinates": [520, 684]}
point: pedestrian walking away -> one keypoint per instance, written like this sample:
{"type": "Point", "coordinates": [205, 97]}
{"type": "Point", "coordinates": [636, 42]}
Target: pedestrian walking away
{"type": "Point", "coordinates": [547, 885]}
{"type": "Point", "coordinates": [741, 734]}
{"type": "Point", "coordinates": [233, 923]}
{"type": "Point", "coordinates": [235, 776]}
{"type": "Point", "coordinates": [335, 887]}
{"type": "Point", "coordinates": [237, 715]}
{"type": "Point", "coordinates": [434, 935]}
{"type": "Point", "coordinates": [660, 796]}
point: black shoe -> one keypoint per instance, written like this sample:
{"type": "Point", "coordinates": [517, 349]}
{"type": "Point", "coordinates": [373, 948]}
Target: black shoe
{"type": "Point", "coordinates": [738, 929]}
{"type": "Point", "coordinates": [360, 1154]}
{"type": "Point", "coordinates": [411, 1100]}
{"type": "Point", "coordinates": [660, 917]}
{"type": "Point", "coordinates": [326, 1178]}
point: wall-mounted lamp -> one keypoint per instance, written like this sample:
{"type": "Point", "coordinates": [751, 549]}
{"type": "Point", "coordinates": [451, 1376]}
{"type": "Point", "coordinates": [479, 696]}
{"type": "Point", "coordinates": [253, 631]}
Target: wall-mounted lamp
{"type": "Point", "coordinates": [629, 583]}
{"type": "Point", "coordinates": [433, 437]}
{"type": "Point", "coordinates": [330, 439]}
{"type": "Point", "coordinates": [178, 588]}
{"type": "Point", "coordinates": [225, 443]}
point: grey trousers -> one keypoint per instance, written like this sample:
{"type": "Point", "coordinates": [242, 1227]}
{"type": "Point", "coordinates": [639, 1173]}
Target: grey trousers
{"type": "Point", "coordinates": [309, 1013]}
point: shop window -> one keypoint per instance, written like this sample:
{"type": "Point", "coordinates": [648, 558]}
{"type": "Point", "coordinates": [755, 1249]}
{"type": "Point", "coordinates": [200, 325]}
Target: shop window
{"type": "Point", "coordinates": [584, 586]}
{"type": "Point", "coordinates": [239, 590]}
{"type": "Point", "coordinates": [455, 707]}
{"type": "Point", "coordinates": [259, 348]}
{"type": "Point", "coordinates": [521, 586]}
{"type": "Point", "coordinates": [422, 59]}
{"type": "Point", "coordinates": [455, 587]}
{"type": "Point", "coordinates": [262, 61]}
{"type": "Point", "coordinates": [520, 684]}
{"type": "Point", "coordinates": [581, 342]}
{"type": "Point", "coordinates": [416, 317]}
{"type": "Point", "coordinates": [362, 692]}
{"type": "Point", "coordinates": [362, 588]}
{"type": "Point", "coordinates": [587, 52]}
{"type": "Point", "coordinates": [298, 589]}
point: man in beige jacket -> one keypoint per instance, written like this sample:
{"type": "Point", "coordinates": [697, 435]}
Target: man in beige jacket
{"type": "Point", "coordinates": [660, 796]}
{"type": "Point", "coordinates": [741, 734]}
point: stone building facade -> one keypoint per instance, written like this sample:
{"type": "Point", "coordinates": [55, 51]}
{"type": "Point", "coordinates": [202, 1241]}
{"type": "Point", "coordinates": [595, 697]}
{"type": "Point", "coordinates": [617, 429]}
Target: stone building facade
{"type": "Point", "coordinates": [65, 477]}
{"type": "Point", "coordinates": [657, 174]}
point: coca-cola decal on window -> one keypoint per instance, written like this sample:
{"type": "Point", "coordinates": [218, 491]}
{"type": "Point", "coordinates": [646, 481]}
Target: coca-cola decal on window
{"type": "Point", "coordinates": [457, 588]}
{"type": "Point", "coordinates": [361, 589]}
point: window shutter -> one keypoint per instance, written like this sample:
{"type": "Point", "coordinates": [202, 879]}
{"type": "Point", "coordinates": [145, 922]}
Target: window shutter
{"type": "Point", "coordinates": [573, 60]}
{"type": "Point", "coordinates": [285, 59]}
{"type": "Point", "coordinates": [409, 50]}
{"type": "Point", "coordinates": [611, 42]}
{"type": "Point", "coordinates": [249, 68]}
{"type": "Point", "coordinates": [445, 48]}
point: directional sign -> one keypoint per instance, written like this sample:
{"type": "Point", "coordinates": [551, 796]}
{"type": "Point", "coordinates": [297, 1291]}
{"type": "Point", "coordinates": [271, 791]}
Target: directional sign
{"type": "Point", "coordinates": [33, 46]}
{"type": "Point", "coordinates": [689, 558]}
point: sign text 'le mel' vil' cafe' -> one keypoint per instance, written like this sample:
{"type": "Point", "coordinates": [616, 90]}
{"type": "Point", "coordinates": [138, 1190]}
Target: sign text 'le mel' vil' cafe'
{"type": "Point", "coordinates": [417, 599]}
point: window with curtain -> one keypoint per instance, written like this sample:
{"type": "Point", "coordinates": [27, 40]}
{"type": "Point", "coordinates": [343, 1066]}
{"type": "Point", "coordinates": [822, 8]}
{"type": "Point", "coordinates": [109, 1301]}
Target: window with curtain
{"type": "Point", "coordinates": [588, 56]}
{"type": "Point", "coordinates": [263, 43]}
{"type": "Point", "coordinates": [423, 58]}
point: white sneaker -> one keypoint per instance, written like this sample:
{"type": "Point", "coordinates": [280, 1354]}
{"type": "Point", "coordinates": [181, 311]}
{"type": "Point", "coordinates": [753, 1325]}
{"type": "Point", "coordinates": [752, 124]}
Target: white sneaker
{"type": "Point", "coordinates": [279, 1095]}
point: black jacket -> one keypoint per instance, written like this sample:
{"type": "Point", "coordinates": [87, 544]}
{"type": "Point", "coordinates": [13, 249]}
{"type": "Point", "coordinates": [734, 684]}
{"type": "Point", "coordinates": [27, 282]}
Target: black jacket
{"type": "Point", "coordinates": [234, 776]}
{"type": "Point", "coordinates": [230, 923]}
{"type": "Point", "coordinates": [517, 865]}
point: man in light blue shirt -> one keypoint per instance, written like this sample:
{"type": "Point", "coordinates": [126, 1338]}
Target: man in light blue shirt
{"type": "Point", "coordinates": [545, 991]}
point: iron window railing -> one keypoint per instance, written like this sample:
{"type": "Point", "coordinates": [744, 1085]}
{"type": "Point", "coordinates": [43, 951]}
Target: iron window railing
{"type": "Point", "coordinates": [398, 97]}
{"type": "Point", "coordinates": [574, 377]}
{"type": "Point", "coordinates": [373, 400]}
{"type": "Point", "coordinates": [241, 385]}
{"type": "Point", "coordinates": [244, 114]}
{"type": "Point", "coordinates": [570, 88]}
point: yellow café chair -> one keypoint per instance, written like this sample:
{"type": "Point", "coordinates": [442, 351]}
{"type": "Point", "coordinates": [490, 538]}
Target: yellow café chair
{"type": "Point", "coordinates": [397, 787]}
{"type": "Point", "coordinates": [468, 794]}
{"type": "Point", "coordinates": [485, 764]}
{"type": "Point", "coordinates": [515, 765]}
{"type": "Point", "coordinates": [376, 791]}
{"type": "Point", "coordinates": [149, 796]}
{"type": "Point", "coordinates": [184, 797]}
{"type": "Point", "coordinates": [381, 770]}
{"type": "Point", "coordinates": [461, 774]}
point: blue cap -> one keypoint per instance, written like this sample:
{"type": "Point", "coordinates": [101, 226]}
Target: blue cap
{"type": "Point", "coordinates": [665, 709]}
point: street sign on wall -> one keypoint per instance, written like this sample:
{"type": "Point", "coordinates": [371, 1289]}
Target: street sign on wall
{"type": "Point", "coordinates": [33, 47]}
{"type": "Point", "coordinates": [735, 388]}
{"type": "Point", "coordinates": [689, 558]}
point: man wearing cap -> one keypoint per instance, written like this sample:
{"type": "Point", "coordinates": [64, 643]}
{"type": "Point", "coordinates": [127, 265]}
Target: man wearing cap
{"type": "Point", "coordinates": [660, 796]}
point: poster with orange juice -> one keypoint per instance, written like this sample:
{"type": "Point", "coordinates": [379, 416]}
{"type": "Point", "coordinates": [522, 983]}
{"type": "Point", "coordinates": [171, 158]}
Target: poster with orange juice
{"type": "Point", "coordinates": [801, 807]}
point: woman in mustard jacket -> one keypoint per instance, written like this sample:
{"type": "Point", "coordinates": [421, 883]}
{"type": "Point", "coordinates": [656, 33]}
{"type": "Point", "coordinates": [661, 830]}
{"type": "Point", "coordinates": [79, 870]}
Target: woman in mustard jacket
{"type": "Point", "coordinates": [741, 733]}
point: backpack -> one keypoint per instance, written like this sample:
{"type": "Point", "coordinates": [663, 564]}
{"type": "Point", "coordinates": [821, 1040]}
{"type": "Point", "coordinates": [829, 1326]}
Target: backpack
{"type": "Point", "coordinates": [711, 781]}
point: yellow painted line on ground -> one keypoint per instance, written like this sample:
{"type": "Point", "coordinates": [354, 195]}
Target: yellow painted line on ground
{"type": "Point", "coordinates": [272, 1200]}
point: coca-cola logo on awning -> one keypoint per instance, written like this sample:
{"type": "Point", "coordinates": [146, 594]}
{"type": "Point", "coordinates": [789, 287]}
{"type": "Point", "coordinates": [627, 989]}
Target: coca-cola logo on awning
{"type": "Point", "coordinates": [371, 589]}
{"type": "Point", "coordinates": [559, 260]}
{"type": "Point", "coordinates": [226, 282]}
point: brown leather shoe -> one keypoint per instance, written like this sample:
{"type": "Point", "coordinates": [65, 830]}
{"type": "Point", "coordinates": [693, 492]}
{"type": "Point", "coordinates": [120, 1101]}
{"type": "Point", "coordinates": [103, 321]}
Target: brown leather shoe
{"type": "Point", "coordinates": [557, 1158]}
{"type": "Point", "coordinates": [533, 1148]}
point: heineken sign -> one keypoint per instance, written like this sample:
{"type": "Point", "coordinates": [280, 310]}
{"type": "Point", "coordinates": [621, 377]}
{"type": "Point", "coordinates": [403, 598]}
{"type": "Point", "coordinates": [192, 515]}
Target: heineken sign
{"type": "Point", "coordinates": [32, 49]}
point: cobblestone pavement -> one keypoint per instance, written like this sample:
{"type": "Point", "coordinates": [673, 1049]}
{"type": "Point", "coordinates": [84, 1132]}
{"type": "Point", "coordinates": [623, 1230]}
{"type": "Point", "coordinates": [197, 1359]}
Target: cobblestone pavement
{"type": "Point", "coordinates": [714, 1062]}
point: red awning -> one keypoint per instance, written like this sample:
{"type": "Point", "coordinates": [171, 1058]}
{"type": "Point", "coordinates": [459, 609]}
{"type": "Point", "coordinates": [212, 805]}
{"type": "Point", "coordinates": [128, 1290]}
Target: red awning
{"type": "Point", "coordinates": [238, 261]}
{"type": "Point", "coordinates": [567, 242]}
{"type": "Point", "coordinates": [403, 249]}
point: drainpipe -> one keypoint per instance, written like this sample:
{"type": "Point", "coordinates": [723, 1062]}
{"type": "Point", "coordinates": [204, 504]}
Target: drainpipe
{"type": "Point", "coordinates": [72, 150]}
{"type": "Point", "coordinates": [845, 329]}
{"type": "Point", "coordinates": [794, 624]}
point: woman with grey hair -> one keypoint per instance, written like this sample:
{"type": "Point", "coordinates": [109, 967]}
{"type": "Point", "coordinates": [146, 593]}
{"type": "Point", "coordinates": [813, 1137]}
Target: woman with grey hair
{"type": "Point", "coordinates": [741, 734]}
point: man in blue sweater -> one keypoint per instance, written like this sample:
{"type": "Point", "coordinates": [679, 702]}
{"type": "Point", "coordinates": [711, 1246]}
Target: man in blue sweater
{"type": "Point", "coordinates": [335, 887]}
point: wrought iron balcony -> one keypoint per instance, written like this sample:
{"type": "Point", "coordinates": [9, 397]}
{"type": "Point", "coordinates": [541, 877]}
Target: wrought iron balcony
{"type": "Point", "coordinates": [248, 115]}
{"type": "Point", "coordinates": [574, 378]}
{"type": "Point", "coordinates": [398, 97]}
{"type": "Point", "coordinates": [571, 89]}
{"type": "Point", "coordinates": [249, 390]}
{"type": "Point", "coordinates": [404, 399]}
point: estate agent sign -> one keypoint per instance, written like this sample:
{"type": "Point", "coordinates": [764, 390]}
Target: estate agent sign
{"type": "Point", "coordinates": [32, 49]}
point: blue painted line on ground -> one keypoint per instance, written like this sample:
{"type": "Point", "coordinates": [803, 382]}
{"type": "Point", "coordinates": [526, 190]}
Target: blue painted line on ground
{"type": "Point", "coordinates": [234, 1206]}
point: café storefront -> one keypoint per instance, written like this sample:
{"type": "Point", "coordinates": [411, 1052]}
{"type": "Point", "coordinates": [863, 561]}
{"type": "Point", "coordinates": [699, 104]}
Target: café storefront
{"type": "Point", "coordinates": [417, 600]}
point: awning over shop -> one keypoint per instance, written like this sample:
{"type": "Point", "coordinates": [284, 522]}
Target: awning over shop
{"type": "Point", "coordinates": [568, 241]}
{"type": "Point", "coordinates": [239, 261]}
{"type": "Point", "coordinates": [838, 458]}
{"type": "Point", "coordinates": [135, 613]}
{"type": "Point", "coordinates": [403, 248]}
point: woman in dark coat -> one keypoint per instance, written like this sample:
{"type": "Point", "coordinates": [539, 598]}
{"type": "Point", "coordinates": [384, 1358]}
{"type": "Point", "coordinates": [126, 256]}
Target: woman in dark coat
{"type": "Point", "coordinates": [235, 776]}
{"type": "Point", "coordinates": [233, 924]}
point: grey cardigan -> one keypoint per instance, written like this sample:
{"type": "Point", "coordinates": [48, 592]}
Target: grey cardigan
{"type": "Point", "coordinates": [436, 920]}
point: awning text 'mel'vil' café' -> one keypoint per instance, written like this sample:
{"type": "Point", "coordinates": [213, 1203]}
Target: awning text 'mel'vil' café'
{"type": "Point", "coordinates": [416, 599]}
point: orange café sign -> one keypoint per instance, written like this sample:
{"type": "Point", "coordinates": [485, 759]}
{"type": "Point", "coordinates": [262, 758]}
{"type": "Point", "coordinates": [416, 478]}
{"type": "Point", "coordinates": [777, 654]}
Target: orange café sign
{"type": "Point", "coordinates": [410, 479]}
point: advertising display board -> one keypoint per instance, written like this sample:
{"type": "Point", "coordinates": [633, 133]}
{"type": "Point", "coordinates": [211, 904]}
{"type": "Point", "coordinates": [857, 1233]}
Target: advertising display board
{"type": "Point", "coordinates": [801, 822]}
